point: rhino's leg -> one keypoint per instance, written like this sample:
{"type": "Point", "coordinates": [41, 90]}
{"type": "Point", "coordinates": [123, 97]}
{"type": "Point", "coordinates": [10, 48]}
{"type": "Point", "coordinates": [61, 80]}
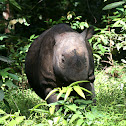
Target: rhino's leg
{"type": "Point", "coordinates": [52, 98]}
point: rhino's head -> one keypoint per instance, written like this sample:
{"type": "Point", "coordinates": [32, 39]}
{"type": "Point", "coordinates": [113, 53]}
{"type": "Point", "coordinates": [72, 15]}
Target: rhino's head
{"type": "Point", "coordinates": [71, 56]}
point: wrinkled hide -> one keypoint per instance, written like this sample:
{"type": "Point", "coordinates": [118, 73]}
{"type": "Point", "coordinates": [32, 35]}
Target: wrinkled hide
{"type": "Point", "coordinates": [58, 57]}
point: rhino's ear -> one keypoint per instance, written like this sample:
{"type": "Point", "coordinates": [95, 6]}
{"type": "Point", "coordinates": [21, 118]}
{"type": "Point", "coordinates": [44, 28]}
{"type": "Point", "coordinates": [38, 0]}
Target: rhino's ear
{"type": "Point", "coordinates": [88, 33]}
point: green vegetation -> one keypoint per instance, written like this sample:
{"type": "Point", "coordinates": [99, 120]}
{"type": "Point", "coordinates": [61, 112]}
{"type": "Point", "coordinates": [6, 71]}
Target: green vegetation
{"type": "Point", "coordinates": [29, 109]}
{"type": "Point", "coordinates": [22, 21]}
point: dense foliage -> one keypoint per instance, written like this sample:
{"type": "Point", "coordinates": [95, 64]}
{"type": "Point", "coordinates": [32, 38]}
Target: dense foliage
{"type": "Point", "coordinates": [26, 108]}
{"type": "Point", "coordinates": [21, 21]}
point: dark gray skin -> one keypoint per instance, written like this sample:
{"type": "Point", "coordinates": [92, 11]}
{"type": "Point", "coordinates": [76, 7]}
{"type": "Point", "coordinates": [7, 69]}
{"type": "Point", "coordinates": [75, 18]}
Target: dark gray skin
{"type": "Point", "coordinates": [58, 57]}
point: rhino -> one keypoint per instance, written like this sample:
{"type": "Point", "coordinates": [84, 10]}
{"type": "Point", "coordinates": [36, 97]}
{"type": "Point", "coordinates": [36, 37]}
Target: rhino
{"type": "Point", "coordinates": [58, 57]}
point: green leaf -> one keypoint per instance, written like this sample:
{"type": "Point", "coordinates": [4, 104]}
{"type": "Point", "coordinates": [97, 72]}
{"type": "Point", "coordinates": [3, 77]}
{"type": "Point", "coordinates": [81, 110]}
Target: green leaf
{"type": "Point", "coordinates": [10, 84]}
{"type": "Point", "coordinates": [82, 25]}
{"type": "Point", "coordinates": [119, 23]}
{"type": "Point", "coordinates": [79, 122]}
{"type": "Point", "coordinates": [6, 69]}
{"type": "Point", "coordinates": [64, 122]}
{"type": "Point", "coordinates": [59, 95]}
{"type": "Point", "coordinates": [120, 105]}
{"type": "Point", "coordinates": [86, 25]}
{"type": "Point", "coordinates": [68, 93]}
{"type": "Point", "coordinates": [60, 102]}
{"type": "Point", "coordinates": [113, 5]}
{"type": "Point", "coordinates": [52, 109]}
{"type": "Point", "coordinates": [57, 119]}
{"type": "Point", "coordinates": [94, 45]}
{"type": "Point", "coordinates": [37, 106]}
{"type": "Point", "coordinates": [13, 76]}
{"type": "Point", "coordinates": [28, 122]}
{"type": "Point", "coordinates": [2, 37]}
{"type": "Point", "coordinates": [77, 82]}
{"type": "Point", "coordinates": [69, 16]}
{"type": "Point", "coordinates": [72, 107]}
{"type": "Point", "coordinates": [1, 95]}
{"type": "Point", "coordinates": [122, 123]}
{"type": "Point", "coordinates": [5, 59]}
{"type": "Point", "coordinates": [74, 117]}
{"type": "Point", "coordinates": [17, 121]}
{"type": "Point", "coordinates": [2, 112]}
{"type": "Point", "coordinates": [73, 27]}
{"type": "Point", "coordinates": [2, 47]}
{"type": "Point", "coordinates": [4, 72]}
{"type": "Point", "coordinates": [14, 3]}
{"type": "Point", "coordinates": [32, 37]}
{"type": "Point", "coordinates": [40, 111]}
{"type": "Point", "coordinates": [90, 116]}
{"type": "Point", "coordinates": [101, 48]}
{"type": "Point", "coordinates": [3, 119]}
{"type": "Point", "coordinates": [50, 93]}
{"type": "Point", "coordinates": [97, 56]}
{"type": "Point", "coordinates": [79, 91]}
{"type": "Point", "coordinates": [119, 46]}
{"type": "Point", "coordinates": [82, 102]}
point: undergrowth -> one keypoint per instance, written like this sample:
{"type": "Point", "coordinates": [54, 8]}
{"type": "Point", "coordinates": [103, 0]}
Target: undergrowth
{"type": "Point", "coordinates": [24, 107]}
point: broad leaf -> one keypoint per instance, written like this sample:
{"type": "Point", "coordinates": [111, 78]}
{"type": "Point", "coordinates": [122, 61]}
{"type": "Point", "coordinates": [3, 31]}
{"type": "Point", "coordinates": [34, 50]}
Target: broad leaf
{"type": "Point", "coordinates": [113, 5]}
{"type": "Point", "coordinates": [3, 119]}
{"type": "Point", "coordinates": [17, 121]}
{"type": "Point", "coordinates": [97, 56]}
{"type": "Point", "coordinates": [68, 93]}
{"type": "Point", "coordinates": [78, 82]}
{"type": "Point", "coordinates": [59, 95]}
{"type": "Point", "coordinates": [35, 107]}
{"type": "Point", "coordinates": [28, 122]}
{"type": "Point", "coordinates": [2, 112]}
{"type": "Point", "coordinates": [52, 109]}
{"type": "Point", "coordinates": [86, 90]}
{"type": "Point", "coordinates": [60, 102]}
{"type": "Point", "coordinates": [10, 84]}
{"type": "Point", "coordinates": [40, 111]}
{"type": "Point", "coordinates": [79, 122]}
{"type": "Point", "coordinates": [72, 107]}
{"type": "Point", "coordinates": [5, 59]}
{"type": "Point", "coordinates": [13, 76]}
{"type": "Point", "coordinates": [82, 101]}
{"type": "Point", "coordinates": [79, 91]}
{"type": "Point", "coordinates": [50, 93]}
{"type": "Point", "coordinates": [3, 37]}
{"type": "Point", "coordinates": [4, 72]}
{"type": "Point", "coordinates": [64, 89]}
{"type": "Point", "coordinates": [74, 117]}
